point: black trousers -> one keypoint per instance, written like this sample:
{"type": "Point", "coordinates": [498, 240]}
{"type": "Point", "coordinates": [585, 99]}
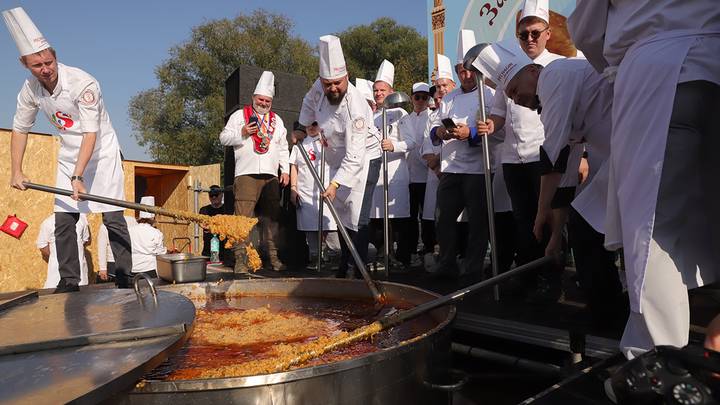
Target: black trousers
{"type": "Point", "coordinates": [416, 226]}
{"type": "Point", "coordinates": [455, 193]}
{"type": "Point", "coordinates": [67, 252]}
{"type": "Point", "coordinates": [598, 275]}
{"type": "Point", "coordinates": [523, 185]}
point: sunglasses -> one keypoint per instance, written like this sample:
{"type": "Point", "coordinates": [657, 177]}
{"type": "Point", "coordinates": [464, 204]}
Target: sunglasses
{"type": "Point", "coordinates": [535, 34]}
{"type": "Point", "coordinates": [419, 97]}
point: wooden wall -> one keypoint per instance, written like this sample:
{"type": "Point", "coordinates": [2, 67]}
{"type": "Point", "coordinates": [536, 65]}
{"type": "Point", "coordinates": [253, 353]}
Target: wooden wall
{"type": "Point", "coordinates": [22, 267]}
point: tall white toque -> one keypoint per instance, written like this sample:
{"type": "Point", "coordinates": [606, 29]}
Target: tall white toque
{"type": "Point", "coordinates": [28, 38]}
{"type": "Point", "coordinates": [332, 60]}
{"type": "Point", "coordinates": [147, 200]}
{"type": "Point", "coordinates": [266, 85]}
{"type": "Point", "coordinates": [536, 8]}
{"type": "Point", "coordinates": [365, 88]}
{"type": "Point", "coordinates": [386, 73]}
{"type": "Point", "coordinates": [444, 67]}
{"type": "Point", "coordinates": [466, 40]}
{"type": "Point", "coordinates": [501, 61]}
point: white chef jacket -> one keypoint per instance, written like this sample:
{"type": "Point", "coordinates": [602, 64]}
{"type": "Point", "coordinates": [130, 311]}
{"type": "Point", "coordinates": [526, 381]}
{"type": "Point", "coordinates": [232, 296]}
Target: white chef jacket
{"type": "Point", "coordinates": [398, 173]}
{"type": "Point", "coordinates": [312, 100]}
{"type": "Point", "coordinates": [412, 129]}
{"type": "Point", "coordinates": [46, 237]}
{"type": "Point", "coordinates": [457, 155]}
{"type": "Point", "coordinates": [523, 130]}
{"type": "Point", "coordinates": [307, 189]}
{"type": "Point", "coordinates": [247, 161]}
{"type": "Point", "coordinates": [104, 251]}
{"type": "Point", "coordinates": [76, 107]}
{"type": "Point", "coordinates": [576, 109]}
{"type": "Point", "coordinates": [147, 243]}
{"type": "Point", "coordinates": [674, 42]}
{"type": "Point", "coordinates": [346, 127]}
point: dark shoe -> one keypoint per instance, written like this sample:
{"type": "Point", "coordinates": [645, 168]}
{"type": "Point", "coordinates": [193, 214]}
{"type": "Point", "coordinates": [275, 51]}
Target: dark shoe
{"type": "Point", "coordinates": [65, 287]}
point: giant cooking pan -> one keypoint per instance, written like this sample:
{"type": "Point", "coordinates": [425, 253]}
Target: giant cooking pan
{"type": "Point", "coordinates": [392, 375]}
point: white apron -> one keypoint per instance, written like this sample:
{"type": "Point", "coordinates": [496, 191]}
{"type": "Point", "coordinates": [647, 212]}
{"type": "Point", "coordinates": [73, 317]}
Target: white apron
{"type": "Point", "coordinates": [309, 192]}
{"type": "Point", "coordinates": [398, 184]}
{"type": "Point", "coordinates": [337, 124]}
{"type": "Point", "coordinates": [104, 173]}
{"type": "Point", "coordinates": [650, 67]}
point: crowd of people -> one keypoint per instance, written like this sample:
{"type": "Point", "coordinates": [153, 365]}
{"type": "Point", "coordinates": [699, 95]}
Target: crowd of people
{"type": "Point", "coordinates": [612, 148]}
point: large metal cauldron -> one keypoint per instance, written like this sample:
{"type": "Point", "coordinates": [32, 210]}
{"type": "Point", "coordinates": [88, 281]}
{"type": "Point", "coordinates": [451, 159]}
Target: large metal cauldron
{"type": "Point", "coordinates": [395, 375]}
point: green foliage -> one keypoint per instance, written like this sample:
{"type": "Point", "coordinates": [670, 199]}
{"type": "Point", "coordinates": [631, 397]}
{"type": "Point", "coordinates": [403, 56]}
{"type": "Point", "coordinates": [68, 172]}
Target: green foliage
{"type": "Point", "coordinates": [365, 47]}
{"type": "Point", "coordinates": [179, 121]}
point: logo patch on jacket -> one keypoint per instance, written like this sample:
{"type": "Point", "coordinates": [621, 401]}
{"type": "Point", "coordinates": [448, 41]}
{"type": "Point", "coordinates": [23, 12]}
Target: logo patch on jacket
{"type": "Point", "coordinates": [62, 121]}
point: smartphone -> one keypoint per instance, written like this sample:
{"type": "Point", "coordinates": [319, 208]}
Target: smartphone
{"type": "Point", "coordinates": [448, 123]}
{"type": "Point", "coordinates": [253, 120]}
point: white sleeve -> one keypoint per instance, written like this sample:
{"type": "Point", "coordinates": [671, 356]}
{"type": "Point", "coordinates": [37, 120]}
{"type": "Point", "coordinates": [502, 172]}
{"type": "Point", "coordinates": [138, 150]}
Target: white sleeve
{"type": "Point", "coordinates": [499, 104]}
{"type": "Point", "coordinates": [310, 103]}
{"type": "Point", "coordinates": [84, 234]}
{"type": "Point", "coordinates": [89, 104]}
{"type": "Point", "coordinates": [26, 110]}
{"type": "Point", "coordinates": [294, 155]}
{"type": "Point", "coordinates": [47, 231]}
{"type": "Point", "coordinates": [409, 140]}
{"type": "Point", "coordinates": [283, 152]}
{"type": "Point", "coordinates": [159, 244]}
{"type": "Point", "coordinates": [559, 94]}
{"type": "Point", "coordinates": [231, 135]}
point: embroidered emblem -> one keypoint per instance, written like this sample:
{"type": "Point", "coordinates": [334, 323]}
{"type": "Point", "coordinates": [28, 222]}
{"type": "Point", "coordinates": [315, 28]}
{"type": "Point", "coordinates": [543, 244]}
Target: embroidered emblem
{"type": "Point", "coordinates": [312, 155]}
{"type": "Point", "coordinates": [61, 121]}
{"type": "Point", "coordinates": [358, 124]}
{"type": "Point", "coordinates": [88, 97]}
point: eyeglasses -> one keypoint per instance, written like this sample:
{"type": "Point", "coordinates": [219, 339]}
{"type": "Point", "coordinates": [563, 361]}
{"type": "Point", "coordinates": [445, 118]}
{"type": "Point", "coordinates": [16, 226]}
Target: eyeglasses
{"type": "Point", "coordinates": [535, 34]}
{"type": "Point", "coordinates": [419, 97]}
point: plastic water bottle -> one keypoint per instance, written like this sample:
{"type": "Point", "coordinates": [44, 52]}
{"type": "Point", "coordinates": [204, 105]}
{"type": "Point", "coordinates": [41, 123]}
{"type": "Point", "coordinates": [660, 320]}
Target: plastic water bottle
{"type": "Point", "coordinates": [215, 249]}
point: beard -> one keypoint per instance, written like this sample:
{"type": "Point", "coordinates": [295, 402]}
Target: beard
{"type": "Point", "coordinates": [334, 98]}
{"type": "Point", "coordinates": [261, 110]}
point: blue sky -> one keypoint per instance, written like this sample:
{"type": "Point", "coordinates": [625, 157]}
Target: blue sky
{"type": "Point", "coordinates": [121, 42]}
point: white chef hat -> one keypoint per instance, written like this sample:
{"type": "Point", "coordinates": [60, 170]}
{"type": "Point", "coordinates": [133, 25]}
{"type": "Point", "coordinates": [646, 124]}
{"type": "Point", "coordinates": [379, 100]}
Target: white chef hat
{"type": "Point", "coordinates": [332, 60]}
{"type": "Point", "coordinates": [386, 73]}
{"type": "Point", "coordinates": [444, 67]}
{"type": "Point", "coordinates": [501, 61]}
{"type": "Point", "coordinates": [421, 86]}
{"type": "Point", "coordinates": [536, 8]}
{"type": "Point", "coordinates": [147, 200]}
{"type": "Point", "coordinates": [466, 40]}
{"type": "Point", "coordinates": [28, 38]}
{"type": "Point", "coordinates": [365, 88]}
{"type": "Point", "coordinates": [266, 85]}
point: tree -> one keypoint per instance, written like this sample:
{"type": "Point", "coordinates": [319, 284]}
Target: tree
{"type": "Point", "coordinates": [365, 46]}
{"type": "Point", "coordinates": [179, 120]}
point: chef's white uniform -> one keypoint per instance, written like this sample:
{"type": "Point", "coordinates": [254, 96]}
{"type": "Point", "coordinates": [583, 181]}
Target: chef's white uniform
{"type": "Point", "coordinates": [76, 107]}
{"type": "Point", "coordinates": [308, 191]}
{"type": "Point", "coordinates": [650, 48]}
{"type": "Point", "coordinates": [398, 171]}
{"type": "Point", "coordinates": [46, 237]}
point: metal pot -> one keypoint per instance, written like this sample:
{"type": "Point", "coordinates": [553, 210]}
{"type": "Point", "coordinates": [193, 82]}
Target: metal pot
{"type": "Point", "coordinates": [390, 376]}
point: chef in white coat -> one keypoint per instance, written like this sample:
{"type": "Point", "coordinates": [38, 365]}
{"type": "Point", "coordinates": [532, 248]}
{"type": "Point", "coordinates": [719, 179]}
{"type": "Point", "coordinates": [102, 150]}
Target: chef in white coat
{"type": "Point", "coordinates": [412, 129]}
{"type": "Point", "coordinates": [46, 243]}
{"type": "Point", "coordinates": [345, 122]}
{"type": "Point", "coordinates": [89, 158]}
{"type": "Point", "coordinates": [304, 192]}
{"type": "Point", "coordinates": [147, 241]}
{"type": "Point", "coordinates": [398, 173]}
{"type": "Point", "coordinates": [259, 140]}
{"type": "Point", "coordinates": [575, 104]}
{"type": "Point", "coordinates": [106, 260]}
{"type": "Point", "coordinates": [662, 199]}
{"type": "Point", "coordinates": [462, 184]}
{"type": "Point", "coordinates": [523, 136]}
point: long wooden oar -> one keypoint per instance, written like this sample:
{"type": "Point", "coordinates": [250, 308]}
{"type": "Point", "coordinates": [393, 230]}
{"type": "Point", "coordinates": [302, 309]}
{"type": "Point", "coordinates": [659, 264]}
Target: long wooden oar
{"type": "Point", "coordinates": [112, 201]}
{"type": "Point", "coordinates": [312, 351]}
